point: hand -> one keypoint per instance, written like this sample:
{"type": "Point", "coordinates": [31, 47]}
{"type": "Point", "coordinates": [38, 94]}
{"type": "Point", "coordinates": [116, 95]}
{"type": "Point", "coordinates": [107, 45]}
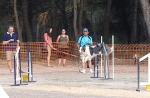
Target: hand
{"type": "Point", "coordinates": [11, 39]}
{"type": "Point", "coordinates": [88, 43]}
{"type": "Point", "coordinates": [51, 46]}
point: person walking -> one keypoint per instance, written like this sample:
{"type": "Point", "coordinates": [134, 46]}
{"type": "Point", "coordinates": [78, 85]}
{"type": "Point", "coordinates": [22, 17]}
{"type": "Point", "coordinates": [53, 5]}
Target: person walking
{"type": "Point", "coordinates": [48, 44]}
{"type": "Point", "coordinates": [85, 40]}
{"type": "Point", "coordinates": [62, 41]}
{"type": "Point", "coordinates": [10, 39]}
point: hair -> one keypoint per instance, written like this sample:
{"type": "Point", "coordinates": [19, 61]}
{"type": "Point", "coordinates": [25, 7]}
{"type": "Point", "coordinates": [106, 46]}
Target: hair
{"type": "Point", "coordinates": [47, 31]}
{"type": "Point", "coordinates": [10, 26]}
{"type": "Point", "coordinates": [63, 29]}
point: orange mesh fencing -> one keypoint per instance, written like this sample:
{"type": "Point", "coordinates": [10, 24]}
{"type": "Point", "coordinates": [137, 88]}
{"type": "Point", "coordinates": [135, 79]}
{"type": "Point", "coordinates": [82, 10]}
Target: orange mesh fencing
{"type": "Point", "coordinates": [124, 54]}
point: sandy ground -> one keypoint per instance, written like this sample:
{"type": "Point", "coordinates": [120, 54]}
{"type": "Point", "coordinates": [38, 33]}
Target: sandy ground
{"type": "Point", "coordinates": [67, 82]}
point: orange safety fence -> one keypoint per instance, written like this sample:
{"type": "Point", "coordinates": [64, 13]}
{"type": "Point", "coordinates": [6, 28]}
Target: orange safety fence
{"type": "Point", "coordinates": [124, 54]}
{"type": "Point", "coordinates": [39, 51]}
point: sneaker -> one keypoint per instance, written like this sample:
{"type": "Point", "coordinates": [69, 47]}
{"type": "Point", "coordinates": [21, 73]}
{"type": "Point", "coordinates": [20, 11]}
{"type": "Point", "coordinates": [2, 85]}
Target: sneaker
{"type": "Point", "coordinates": [91, 71]}
{"type": "Point", "coordinates": [83, 71]}
{"type": "Point", "coordinates": [11, 71]}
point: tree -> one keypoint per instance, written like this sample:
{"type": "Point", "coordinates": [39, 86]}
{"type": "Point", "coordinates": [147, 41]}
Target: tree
{"type": "Point", "coordinates": [107, 20]}
{"type": "Point", "coordinates": [81, 16]}
{"type": "Point", "coordinates": [17, 20]}
{"type": "Point", "coordinates": [133, 35]}
{"type": "Point", "coordinates": [27, 28]}
{"type": "Point", "coordinates": [146, 14]}
{"type": "Point", "coordinates": [75, 19]}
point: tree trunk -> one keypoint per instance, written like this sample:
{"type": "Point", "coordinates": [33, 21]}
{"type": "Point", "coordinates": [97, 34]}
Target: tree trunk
{"type": "Point", "coordinates": [106, 21]}
{"type": "Point", "coordinates": [30, 17]}
{"type": "Point", "coordinates": [54, 20]}
{"type": "Point", "coordinates": [27, 27]}
{"type": "Point", "coordinates": [62, 8]}
{"type": "Point", "coordinates": [81, 16]}
{"type": "Point", "coordinates": [17, 20]}
{"type": "Point", "coordinates": [75, 19]}
{"type": "Point", "coordinates": [134, 23]}
{"type": "Point", "coordinates": [146, 14]}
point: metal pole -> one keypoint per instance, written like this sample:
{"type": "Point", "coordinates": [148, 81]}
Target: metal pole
{"type": "Point", "coordinates": [15, 71]}
{"type": "Point", "coordinates": [113, 56]}
{"type": "Point", "coordinates": [108, 66]}
{"type": "Point", "coordinates": [15, 78]}
{"type": "Point", "coordinates": [138, 75]}
{"type": "Point", "coordinates": [105, 60]}
{"type": "Point", "coordinates": [30, 75]}
{"type": "Point", "coordinates": [31, 67]}
{"type": "Point", "coordinates": [20, 69]}
{"type": "Point", "coordinates": [101, 58]}
{"type": "Point", "coordinates": [105, 66]}
{"type": "Point", "coordinates": [97, 67]}
{"type": "Point", "coordinates": [148, 69]}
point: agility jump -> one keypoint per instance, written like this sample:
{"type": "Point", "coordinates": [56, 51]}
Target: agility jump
{"type": "Point", "coordinates": [18, 68]}
{"type": "Point", "coordinates": [100, 49]}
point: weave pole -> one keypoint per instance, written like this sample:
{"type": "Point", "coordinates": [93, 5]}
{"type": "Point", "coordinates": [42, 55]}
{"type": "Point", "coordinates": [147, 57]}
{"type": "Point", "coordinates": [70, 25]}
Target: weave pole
{"type": "Point", "coordinates": [113, 57]}
{"type": "Point", "coordinates": [101, 59]}
{"type": "Point", "coordinates": [30, 66]}
{"type": "Point", "coordinates": [138, 75]}
{"type": "Point", "coordinates": [106, 61]}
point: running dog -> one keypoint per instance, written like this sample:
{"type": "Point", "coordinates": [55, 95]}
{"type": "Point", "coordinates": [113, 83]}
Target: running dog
{"type": "Point", "coordinates": [87, 53]}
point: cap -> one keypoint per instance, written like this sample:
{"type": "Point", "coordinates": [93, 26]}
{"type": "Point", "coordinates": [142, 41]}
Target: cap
{"type": "Point", "coordinates": [85, 30]}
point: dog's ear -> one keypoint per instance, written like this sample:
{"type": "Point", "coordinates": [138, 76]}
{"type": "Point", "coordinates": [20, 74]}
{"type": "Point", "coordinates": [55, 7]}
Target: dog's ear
{"type": "Point", "coordinates": [83, 48]}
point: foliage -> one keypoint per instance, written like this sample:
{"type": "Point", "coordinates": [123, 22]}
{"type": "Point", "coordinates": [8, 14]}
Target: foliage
{"type": "Point", "coordinates": [59, 14]}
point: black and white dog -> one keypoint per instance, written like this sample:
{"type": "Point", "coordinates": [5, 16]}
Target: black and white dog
{"type": "Point", "coordinates": [87, 53]}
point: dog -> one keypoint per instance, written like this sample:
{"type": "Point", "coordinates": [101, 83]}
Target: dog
{"type": "Point", "coordinates": [89, 52]}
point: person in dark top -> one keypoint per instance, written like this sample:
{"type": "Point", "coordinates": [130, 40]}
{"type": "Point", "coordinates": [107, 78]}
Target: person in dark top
{"type": "Point", "coordinates": [10, 39]}
{"type": "Point", "coordinates": [62, 41]}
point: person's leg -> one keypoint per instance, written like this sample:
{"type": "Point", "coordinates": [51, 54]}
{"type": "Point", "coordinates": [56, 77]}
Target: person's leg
{"type": "Point", "coordinates": [48, 56]}
{"type": "Point", "coordinates": [83, 63]}
{"type": "Point", "coordinates": [9, 60]}
{"type": "Point", "coordinates": [83, 67]}
{"type": "Point", "coordinates": [59, 61]}
{"type": "Point", "coordinates": [64, 61]}
{"type": "Point", "coordinates": [9, 65]}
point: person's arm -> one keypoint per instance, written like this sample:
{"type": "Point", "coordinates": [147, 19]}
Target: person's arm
{"type": "Point", "coordinates": [78, 43]}
{"type": "Point", "coordinates": [58, 39]}
{"type": "Point", "coordinates": [91, 41]}
{"type": "Point", "coordinates": [5, 41]}
{"type": "Point", "coordinates": [67, 39]}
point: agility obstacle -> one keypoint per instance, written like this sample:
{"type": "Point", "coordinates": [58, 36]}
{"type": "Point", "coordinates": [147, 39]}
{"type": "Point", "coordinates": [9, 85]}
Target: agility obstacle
{"type": "Point", "coordinates": [138, 71]}
{"type": "Point", "coordinates": [106, 73]}
{"type": "Point", "coordinates": [18, 79]}
{"type": "Point", "coordinates": [17, 69]}
{"type": "Point", "coordinates": [30, 66]}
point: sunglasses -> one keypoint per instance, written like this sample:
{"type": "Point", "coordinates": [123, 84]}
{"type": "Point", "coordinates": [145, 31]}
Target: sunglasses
{"type": "Point", "coordinates": [85, 31]}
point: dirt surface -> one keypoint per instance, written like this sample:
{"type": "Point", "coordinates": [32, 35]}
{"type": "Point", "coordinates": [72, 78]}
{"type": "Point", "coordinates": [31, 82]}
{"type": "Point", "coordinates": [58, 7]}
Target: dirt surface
{"type": "Point", "coordinates": [67, 82]}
